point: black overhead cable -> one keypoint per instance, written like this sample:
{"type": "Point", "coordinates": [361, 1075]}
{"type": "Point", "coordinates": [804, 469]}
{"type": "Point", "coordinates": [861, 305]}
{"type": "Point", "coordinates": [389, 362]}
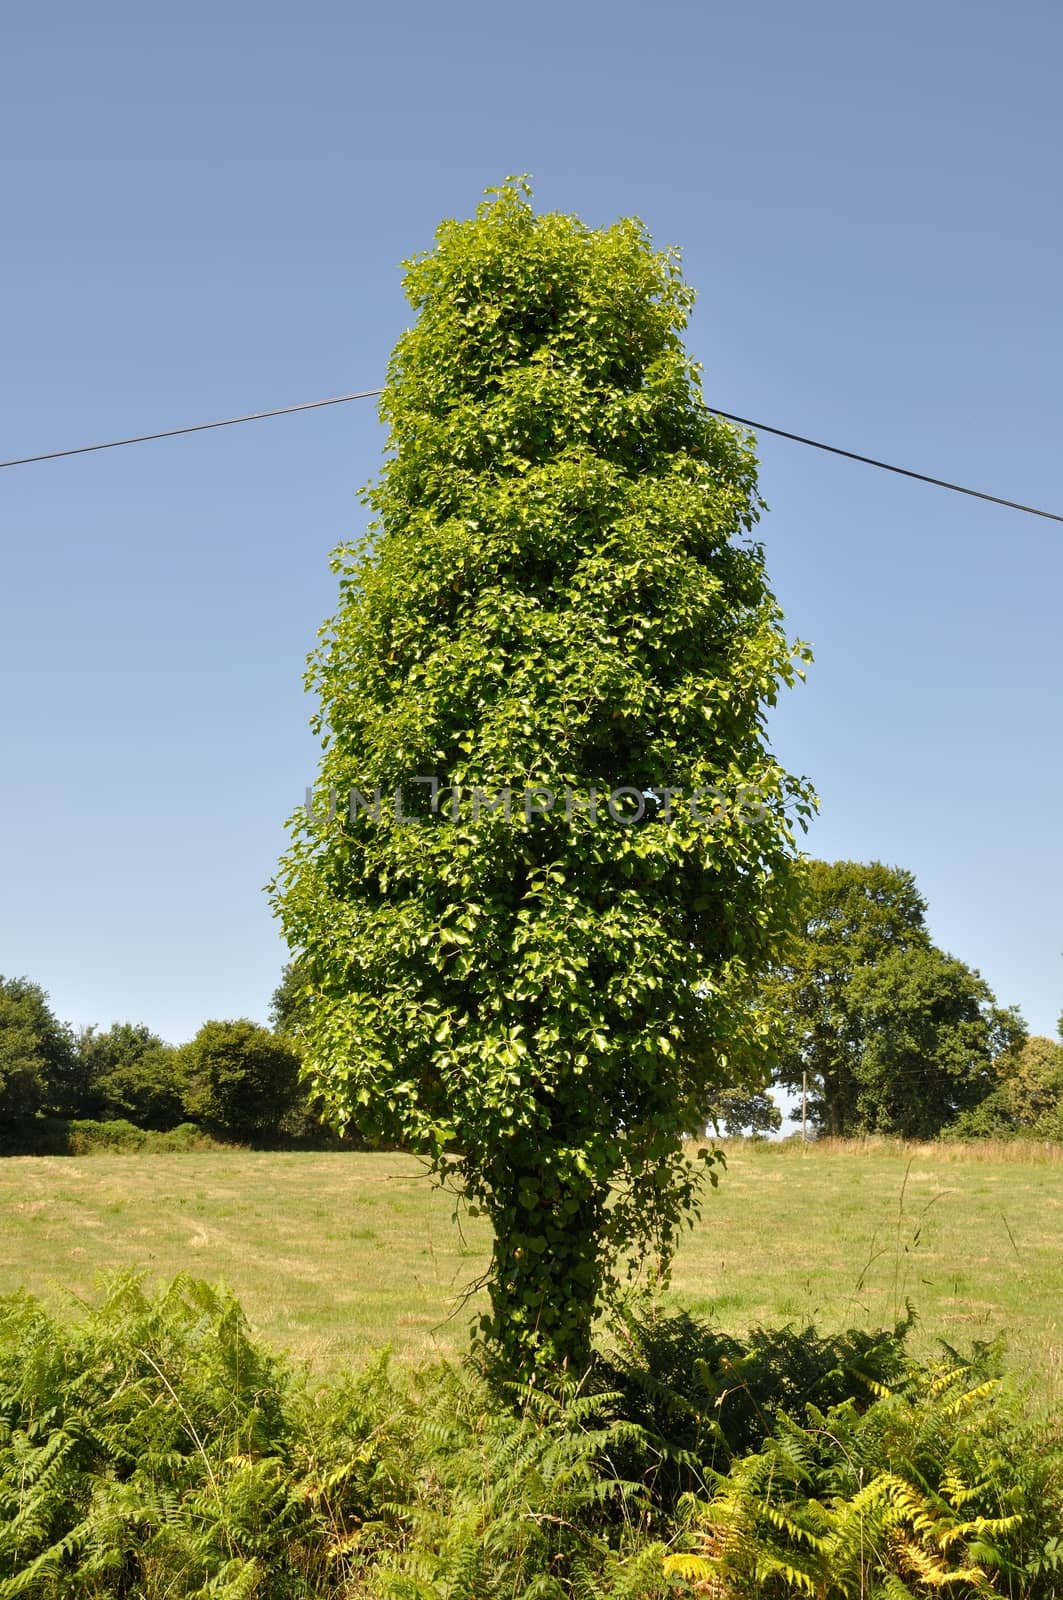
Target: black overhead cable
{"type": "Point", "coordinates": [196, 427]}
{"type": "Point", "coordinates": [369, 394]}
{"type": "Point", "coordinates": [885, 466]}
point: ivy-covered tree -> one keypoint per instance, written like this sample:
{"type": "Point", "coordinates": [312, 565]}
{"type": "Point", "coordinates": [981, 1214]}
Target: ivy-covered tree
{"type": "Point", "coordinates": [558, 633]}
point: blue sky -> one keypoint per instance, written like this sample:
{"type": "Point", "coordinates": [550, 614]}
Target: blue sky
{"type": "Point", "coordinates": [204, 212]}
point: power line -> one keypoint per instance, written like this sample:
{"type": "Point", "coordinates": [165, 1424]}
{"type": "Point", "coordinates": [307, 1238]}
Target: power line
{"type": "Point", "coordinates": [196, 427]}
{"type": "Point", "coordinates": [886, 466]}
{"type": "Point", "coordinates": [369, 394]}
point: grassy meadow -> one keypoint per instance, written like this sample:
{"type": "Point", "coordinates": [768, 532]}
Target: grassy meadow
{"type": "Point", "coordinates": [336, 1254]}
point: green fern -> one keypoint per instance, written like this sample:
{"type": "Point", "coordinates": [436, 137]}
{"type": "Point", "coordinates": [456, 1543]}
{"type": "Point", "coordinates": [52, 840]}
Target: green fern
{"type": "Point", "coordinates": [154, 1450]}
{"type": "Point", "coordinates": [918, 1495]}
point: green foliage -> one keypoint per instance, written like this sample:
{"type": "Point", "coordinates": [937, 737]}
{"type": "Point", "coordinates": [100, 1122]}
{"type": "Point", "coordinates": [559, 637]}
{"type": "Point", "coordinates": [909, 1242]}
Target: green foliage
{"type": "Point", "coordinates": [289, 1007]}
{"type": "Point", "coordinates": [702, 1399]}
{"type": "Point", "coordinates": [130, 1073]}
{"type": "Point", "coordinates": [894, 1035]}
{"type": "Point", "coordinates": [743, 1111]}
{"type": "Point", "coordinates": [1032, 1080]}
{"type": "Point", "coordinates": [239, 1080]}
{"type": "Point", "coordinates": [937, 1487]}
{"type": "Point", "coordinates": [147, 1452]}
{"type": "Point", "coordinates": [522, 1500]}
{"type": "Point", "coordinates": [38, 1067]}
{"type": "Point", "coordinates": [149, 1090]}
{"type": "Point", "coordinates": [1027, 1100]}
{"type": "Point", "coordinates": [84, 1136]}
{"type": "Point", "coordinates": [154, 1449]}
{"type": "Point", "coordinates": [930, 1033]}
{"type": "Point", "coordinates": [561, 590]}
{"type": "Point", "coordinates": [304, 1124]}
{"type": "Point", "coordinates": [103, 1049]}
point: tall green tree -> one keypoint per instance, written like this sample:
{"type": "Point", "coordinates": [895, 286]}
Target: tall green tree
{"type": "Point", "coordinates": [38, 1060]}
{"type": "Point", "coordinates": [891, 1034]}
{"type": "Point", "coordinates": [560, 593]}
{"type": "Point", "coordinates": [853, 915]}
{"type": "Point", "coordinates": [931, 1033]}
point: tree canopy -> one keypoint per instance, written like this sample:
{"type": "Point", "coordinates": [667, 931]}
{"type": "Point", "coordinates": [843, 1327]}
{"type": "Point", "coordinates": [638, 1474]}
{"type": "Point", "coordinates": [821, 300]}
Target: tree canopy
{"type": "Point", "coordinates": [740, 1112]}
{"type": "Point", "coordinates": [237, 1079]}
{"type": "Point", "coordinates": [1025, 1098]}
{"type": "Point", "coordinates": [131, 1073]}
{"type": "Point", "coordinates": [559, 601]}
{"type": "Point", "coordinates": [893, 1034]}
{"type": "Point", "coordinates": [38, 1063]}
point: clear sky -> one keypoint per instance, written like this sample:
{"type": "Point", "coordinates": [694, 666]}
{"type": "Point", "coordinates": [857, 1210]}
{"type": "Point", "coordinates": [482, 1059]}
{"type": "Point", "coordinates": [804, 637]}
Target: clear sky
{"type": "Point", "coordinates": [204, 212]}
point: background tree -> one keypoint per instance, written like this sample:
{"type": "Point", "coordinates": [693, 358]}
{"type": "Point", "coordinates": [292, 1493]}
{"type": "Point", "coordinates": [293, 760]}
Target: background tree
{"type": "Point", "coordinates": [893, 1034]}
{"type": "Point", "coordinates": [38, 1062]}
{"type": "Point", "coordinates": [289, 1007]}
{"type": "Point", "coordinates": [240, 1080]}
{"type": "Point", "coordinates": [1031, 1086]}
{"type": "Point", "coordinates": [930, 1034]}
{"type": "Point", "coordinates": [560, 589]}
{"type": "Point", "coordinates": [1026, 1097]}
{"type": "Point", "coordinates": [853, 914]}
{"type": "Point", "coordinates": [131, 1073]}
{"type": "Point", "coordinates": [736, 1112]}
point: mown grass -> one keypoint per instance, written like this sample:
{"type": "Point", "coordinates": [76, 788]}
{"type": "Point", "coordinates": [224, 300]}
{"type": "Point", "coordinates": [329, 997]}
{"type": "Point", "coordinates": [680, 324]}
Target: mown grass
{"type": "Point", "coordinates": [845, 1234]}
{"type": "Point", "coordinates": [335, 1254]}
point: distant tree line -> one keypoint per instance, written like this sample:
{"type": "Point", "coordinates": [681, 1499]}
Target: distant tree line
{"type": "Point", "coordinates": [879, 1030]}
{"type": "Point", "coordinates": [234, 1080]}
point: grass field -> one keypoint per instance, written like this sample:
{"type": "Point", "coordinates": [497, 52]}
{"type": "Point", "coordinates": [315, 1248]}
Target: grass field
{"type": "Point", "coordinates": [335, 1254]}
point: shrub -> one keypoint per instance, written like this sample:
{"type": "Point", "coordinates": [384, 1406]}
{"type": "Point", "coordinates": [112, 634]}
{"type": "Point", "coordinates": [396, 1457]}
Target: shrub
{"type": "Point", "coordinates": [37, 1136]}
{"type": "Point", "coordinates": [86, 1137]}
{"type": "Point", "coordinates": [145, 1452]}
{"type": "Point", "coordinates": [58, 1136]}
